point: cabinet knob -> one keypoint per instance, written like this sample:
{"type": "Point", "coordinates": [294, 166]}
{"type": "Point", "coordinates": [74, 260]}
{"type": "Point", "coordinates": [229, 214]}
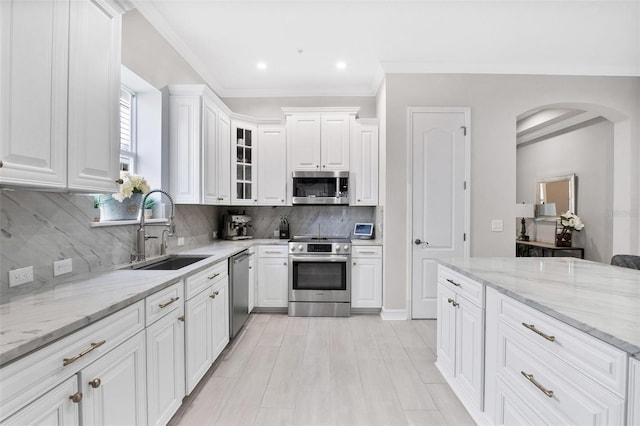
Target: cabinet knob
{"type": "Point", "coordinates": [76, 397]}
{"type": "Point", "coordinates": [215, 293]}
{"type": "Point", "coordinates": [354, 263]}
{"type": "Point", "coordinates": [95, 383]}
{"type": "Point", "coordinates": [284, 263]}
{"type": "Point", "coordinates": [317, 166]}
{"type": "Point", "coordinates": [1, 163]}
{"type": "Point", "coordinates": [119, 181]}
{"type": "Point", "coordinates": [358, 200]}
{"type": "Point", "coordinates": [324, 165]}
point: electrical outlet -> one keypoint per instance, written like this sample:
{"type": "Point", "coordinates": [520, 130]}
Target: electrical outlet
{"type": "Point", "coordinates": [215, 235]}
{"type": "Point", "coordinates": [497, 225]}
{"type": "Point", "coordinates": [64, 266]}
{"type": "Point", "coordinates": [180, 241]}
{"type": "Point", "coordinates": [20, 276]}
{"type": "Point", "coordinates": [276, 233]}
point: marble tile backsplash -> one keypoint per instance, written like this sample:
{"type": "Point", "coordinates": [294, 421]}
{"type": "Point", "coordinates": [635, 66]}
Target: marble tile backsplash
{"type": "Point", "coordinates": [38, 228]}
{"type": "Point", "coordinates": [307, 220]}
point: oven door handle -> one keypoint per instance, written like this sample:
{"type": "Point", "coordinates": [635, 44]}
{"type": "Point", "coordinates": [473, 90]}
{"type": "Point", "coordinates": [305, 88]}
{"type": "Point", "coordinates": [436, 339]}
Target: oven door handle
{"type": "Point", "coordinates": [319, 258]}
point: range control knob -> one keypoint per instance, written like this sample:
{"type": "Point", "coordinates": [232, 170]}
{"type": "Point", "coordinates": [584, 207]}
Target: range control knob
{"type": "Point", "coordinates": [337, 248]}
{"type": "Point", "coordinates": [346, 247]}
{"type": "Point", "coordinates": [300, 247]}
{"type": "Point", "coordinates": [293, 248]}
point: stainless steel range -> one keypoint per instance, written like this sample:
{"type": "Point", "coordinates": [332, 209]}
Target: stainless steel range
{"type": "Point", "coordinates": [319, 277]}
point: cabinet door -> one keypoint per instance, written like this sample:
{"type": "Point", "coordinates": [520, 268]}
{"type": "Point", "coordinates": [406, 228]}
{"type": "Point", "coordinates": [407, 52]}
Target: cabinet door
{"type": "Point", "coordinates": [33, 93]}
{"type": "Point", "coordinates": [272, 177]}
{"type": "Point", "coordinates": [334, 143]}
{"type": "Point", "coordinates": [220, 316]}
{"type": "Point", "coordinates": [114, 387]}
{"type": "Point", "coordinates": [252, 282]}
{"type": "Point", "coordinates": [223, 165]}
{"type": "Point", "coordinates": [165, 367]}
{"type": "Point", "coordinates": [210, 152]}
{"type": "Point", "coordinates": [184, 149]}
{"type": "Point", "coordinates": [198, 335]}
{"type": "Point", "coordinates": [303, 131]}
{"type": "Point", "coordinates": [366, 283]}
{"type": "Point", "coordinates": [244, 190]}
{"type": "Point", "coordinates": [470, 349]}
{"type": "Point", "coordinates": [94, 93]}
{"type": "Point", "coordinates": [363, 173]}
{"type": "Point", "coordinates": [634, 392]}
{"type": "Point", "coordinates": [53, 408]}
{"type": "Point", "coordinates": [446, 331]}
{"type": "Point", "coordinates": [511, 410]}
{"type": "Point", "coordinates": [273, 276]}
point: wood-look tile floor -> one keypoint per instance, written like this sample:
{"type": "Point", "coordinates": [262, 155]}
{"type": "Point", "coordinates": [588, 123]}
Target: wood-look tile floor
{"type": "Point", "coordinates": [326, 371]}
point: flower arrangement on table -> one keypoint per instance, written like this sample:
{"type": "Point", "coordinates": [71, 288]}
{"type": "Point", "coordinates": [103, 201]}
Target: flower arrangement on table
{"type": "Point", "coordinates": [567, 223]}
{"type": "Point", "coordinates": [124, 204]}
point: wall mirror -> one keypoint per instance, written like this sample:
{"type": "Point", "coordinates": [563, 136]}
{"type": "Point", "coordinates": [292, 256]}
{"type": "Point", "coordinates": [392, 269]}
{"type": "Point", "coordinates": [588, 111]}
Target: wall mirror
{"type": "Point", "coordinates": [554, 196]}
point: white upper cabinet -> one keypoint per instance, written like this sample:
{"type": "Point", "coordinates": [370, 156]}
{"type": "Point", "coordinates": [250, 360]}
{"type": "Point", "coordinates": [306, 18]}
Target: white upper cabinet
{"type": "Point", "coordinates": [59, 69]}
{"type": "Point", "coordinates": [319, 138]}
{"type": "Point", "coordinates": [272, 170]}
{"type": "Point", "coordinates": [244, 188]}
{"type": "Point", "coordinates": [334, 141]}
{"type": "Point", "coordinates": [199, 132]}
{"type": "Point", "coordinates": [363, 172]}
{"type": "Point", "coordinates": [304, 141]}
{"type": "Point", "coordinates": [94, 93]}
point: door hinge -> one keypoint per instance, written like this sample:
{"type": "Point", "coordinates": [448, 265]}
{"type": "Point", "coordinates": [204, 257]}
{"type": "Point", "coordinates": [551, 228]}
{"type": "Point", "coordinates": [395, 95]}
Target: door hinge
{"type": "Point", "coordinates": [464, 237]}
{"type": "Point", "coordinates": [464, 185]}
{"type": "Point", "coordinates": [464, 129]}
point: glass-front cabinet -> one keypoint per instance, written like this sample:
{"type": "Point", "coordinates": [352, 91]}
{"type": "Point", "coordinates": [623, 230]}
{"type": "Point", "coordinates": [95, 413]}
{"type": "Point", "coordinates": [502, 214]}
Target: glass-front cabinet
{"type": "Point", "coordinates": [244, 188]}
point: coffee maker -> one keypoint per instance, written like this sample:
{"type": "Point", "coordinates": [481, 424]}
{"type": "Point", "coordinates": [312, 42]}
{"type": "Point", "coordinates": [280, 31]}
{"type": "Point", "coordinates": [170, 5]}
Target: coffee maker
{"type": "Point", "coordinates": [236, 227]}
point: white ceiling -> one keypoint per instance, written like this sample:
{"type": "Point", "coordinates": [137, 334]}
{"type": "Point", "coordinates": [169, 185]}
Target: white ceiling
{"type": "Point", "coordinates": [223, 40]}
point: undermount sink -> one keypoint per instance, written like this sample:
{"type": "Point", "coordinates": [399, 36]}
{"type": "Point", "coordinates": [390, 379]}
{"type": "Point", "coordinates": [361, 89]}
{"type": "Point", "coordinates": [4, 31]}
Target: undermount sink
{"type": "Point", "coordinates": [171, 263]}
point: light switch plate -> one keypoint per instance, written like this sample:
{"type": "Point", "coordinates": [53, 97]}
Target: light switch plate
{"type": "Point", "coordinates": [497, 225]}
{"type": "Point", "coordinates": [20, 276]}
{"type": "Point", "coordinates": [64, 266]}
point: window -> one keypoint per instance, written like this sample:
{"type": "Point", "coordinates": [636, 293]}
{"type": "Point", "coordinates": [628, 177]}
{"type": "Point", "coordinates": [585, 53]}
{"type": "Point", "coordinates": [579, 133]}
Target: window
{"type": "Point", "coordinates": [127, 130]}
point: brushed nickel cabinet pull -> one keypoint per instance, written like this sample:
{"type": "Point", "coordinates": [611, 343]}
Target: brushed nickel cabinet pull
{"type": "Point", "coordinates": [450, 300]}
{"type": "Point", "coordinates": [455, 304]}
{"type": "Point", "coordinates": [76, 397]}
{"type": "Point", "coordinates": [454, 283]}
{"type": "Point", "coordinates": [210, 277]}
{"type": "Point", "coordinates": [530, 378]}
{"type": "Point", "coordinates": [1, 163]}
{"type": "Point", "coordinates": [119, 181]}
{"type": "Point", "coordinates": [181, 318]}
{"type": "Point", "coordinates": [367, 252]}
{"type": "Point", "coordinates": [535, 330]}
{"type": "Point", "coordinates": [215, 293]}
{"type": "Point", "coordinates": [95, 383]}
{"type": "Point", "coordinates": [67, 361]}
{"type": "Point", "coordinates": [164, 305]}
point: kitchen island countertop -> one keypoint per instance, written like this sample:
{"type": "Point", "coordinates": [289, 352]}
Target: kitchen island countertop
{"type": "Point", "coordinates": [598, 299]}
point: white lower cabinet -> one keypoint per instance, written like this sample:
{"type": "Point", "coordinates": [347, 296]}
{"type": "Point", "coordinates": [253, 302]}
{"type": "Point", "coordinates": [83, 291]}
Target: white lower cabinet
{"type": "Point", "coordinates": [273, 277]}
{"type": "Point", "coordinates": [252, 279]}
{"type": "Point", "coordinates": [460, 334]}
{"type": "Point", "coordinates": [54, 408]}
{"type": "Point", "coordinates": [165, 360]}
{"type": "Point", "coordinates": [114, 389]}
{"type": "Point", "coordinates": [542, 371]}
{"type": "Point", "coordinates": [366, 276]}
{"type": "Point", "coordinates": [206, 321]}
{"type": "Point", "coordinates": [633, 416]}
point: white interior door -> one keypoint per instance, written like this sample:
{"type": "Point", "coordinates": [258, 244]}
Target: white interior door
{"type": "Point", "coordinates": [439, 144]}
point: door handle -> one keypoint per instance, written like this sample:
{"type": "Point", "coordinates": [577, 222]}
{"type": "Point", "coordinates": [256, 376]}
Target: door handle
{"type": "Point", "coordinates": [418, 241]}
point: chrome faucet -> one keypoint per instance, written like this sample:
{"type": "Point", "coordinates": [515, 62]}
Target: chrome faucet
{"type": "Point", "coordinates": [142, 236]}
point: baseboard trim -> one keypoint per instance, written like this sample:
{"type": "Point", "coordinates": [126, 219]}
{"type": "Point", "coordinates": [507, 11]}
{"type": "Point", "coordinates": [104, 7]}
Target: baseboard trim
{"type": "Point", "coordinates": [393, 314]}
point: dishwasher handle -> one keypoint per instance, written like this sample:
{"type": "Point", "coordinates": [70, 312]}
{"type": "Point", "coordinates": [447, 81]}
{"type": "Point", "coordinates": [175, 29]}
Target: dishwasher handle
{"type": "Point", "coordinates": [240, 257]}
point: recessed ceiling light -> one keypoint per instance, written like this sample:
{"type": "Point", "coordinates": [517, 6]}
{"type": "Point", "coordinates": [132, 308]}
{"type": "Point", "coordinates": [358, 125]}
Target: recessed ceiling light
{"type": "Point", "coordinates": [341, 65]}
{"type": "Point", "coordinates": [261, 65]}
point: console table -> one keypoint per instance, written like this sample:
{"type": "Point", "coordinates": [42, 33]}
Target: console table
{"type": "Point", "coordinates": [532, 248]}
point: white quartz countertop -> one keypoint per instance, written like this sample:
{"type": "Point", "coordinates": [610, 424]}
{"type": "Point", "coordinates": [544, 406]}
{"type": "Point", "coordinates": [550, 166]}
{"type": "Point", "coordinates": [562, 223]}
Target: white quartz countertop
{"type": "Point", "coordinates": [600, 300]}
{"type": "Point", "coordinates": [29, 322]}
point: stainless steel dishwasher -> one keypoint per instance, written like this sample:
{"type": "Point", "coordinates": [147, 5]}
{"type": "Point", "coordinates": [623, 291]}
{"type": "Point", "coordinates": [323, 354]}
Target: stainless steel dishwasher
{"type": "Point", "coordinates": [238, 292]}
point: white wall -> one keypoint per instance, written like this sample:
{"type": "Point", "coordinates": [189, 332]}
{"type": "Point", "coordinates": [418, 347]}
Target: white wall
{"type": "Point", "coordinates": [587, 152]}
{"type": "Point", "coordinates": [495, 102]}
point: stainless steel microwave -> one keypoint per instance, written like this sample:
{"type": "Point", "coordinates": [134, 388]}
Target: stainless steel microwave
{"type": "Point", "coordinates": [320, 188]}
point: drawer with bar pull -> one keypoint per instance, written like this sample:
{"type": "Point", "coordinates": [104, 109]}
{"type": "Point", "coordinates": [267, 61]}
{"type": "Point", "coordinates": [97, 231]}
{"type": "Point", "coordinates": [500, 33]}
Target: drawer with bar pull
{"type": "Point", "coordinates": [472, 290]}
{"type": "Point", "coordinates": [273, 251]}
{"type": "Point", "coordinates": [557, 390]}
{"type": "Point", "coordinates": [594, 358]}
{"type": "Point", "coordinates": [28, 377]}
{"type": "Point", "coordinates": [366, 251]}
{"type": "Point", "coordinates": [164, 301]}
{"type": "Point", "coordinates": [195, 283]}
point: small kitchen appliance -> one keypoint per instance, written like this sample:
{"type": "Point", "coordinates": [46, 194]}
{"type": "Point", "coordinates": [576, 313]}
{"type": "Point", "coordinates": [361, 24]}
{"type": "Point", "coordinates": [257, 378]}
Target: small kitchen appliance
{"type": "Point", "coordinates": [236, 227]}
{"type": "Point", "coordinates": [319, 276]}
{"type": "Point", "coordinates": [363, 231]}
{"type": "Point", "coordinates": [283, 230]}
